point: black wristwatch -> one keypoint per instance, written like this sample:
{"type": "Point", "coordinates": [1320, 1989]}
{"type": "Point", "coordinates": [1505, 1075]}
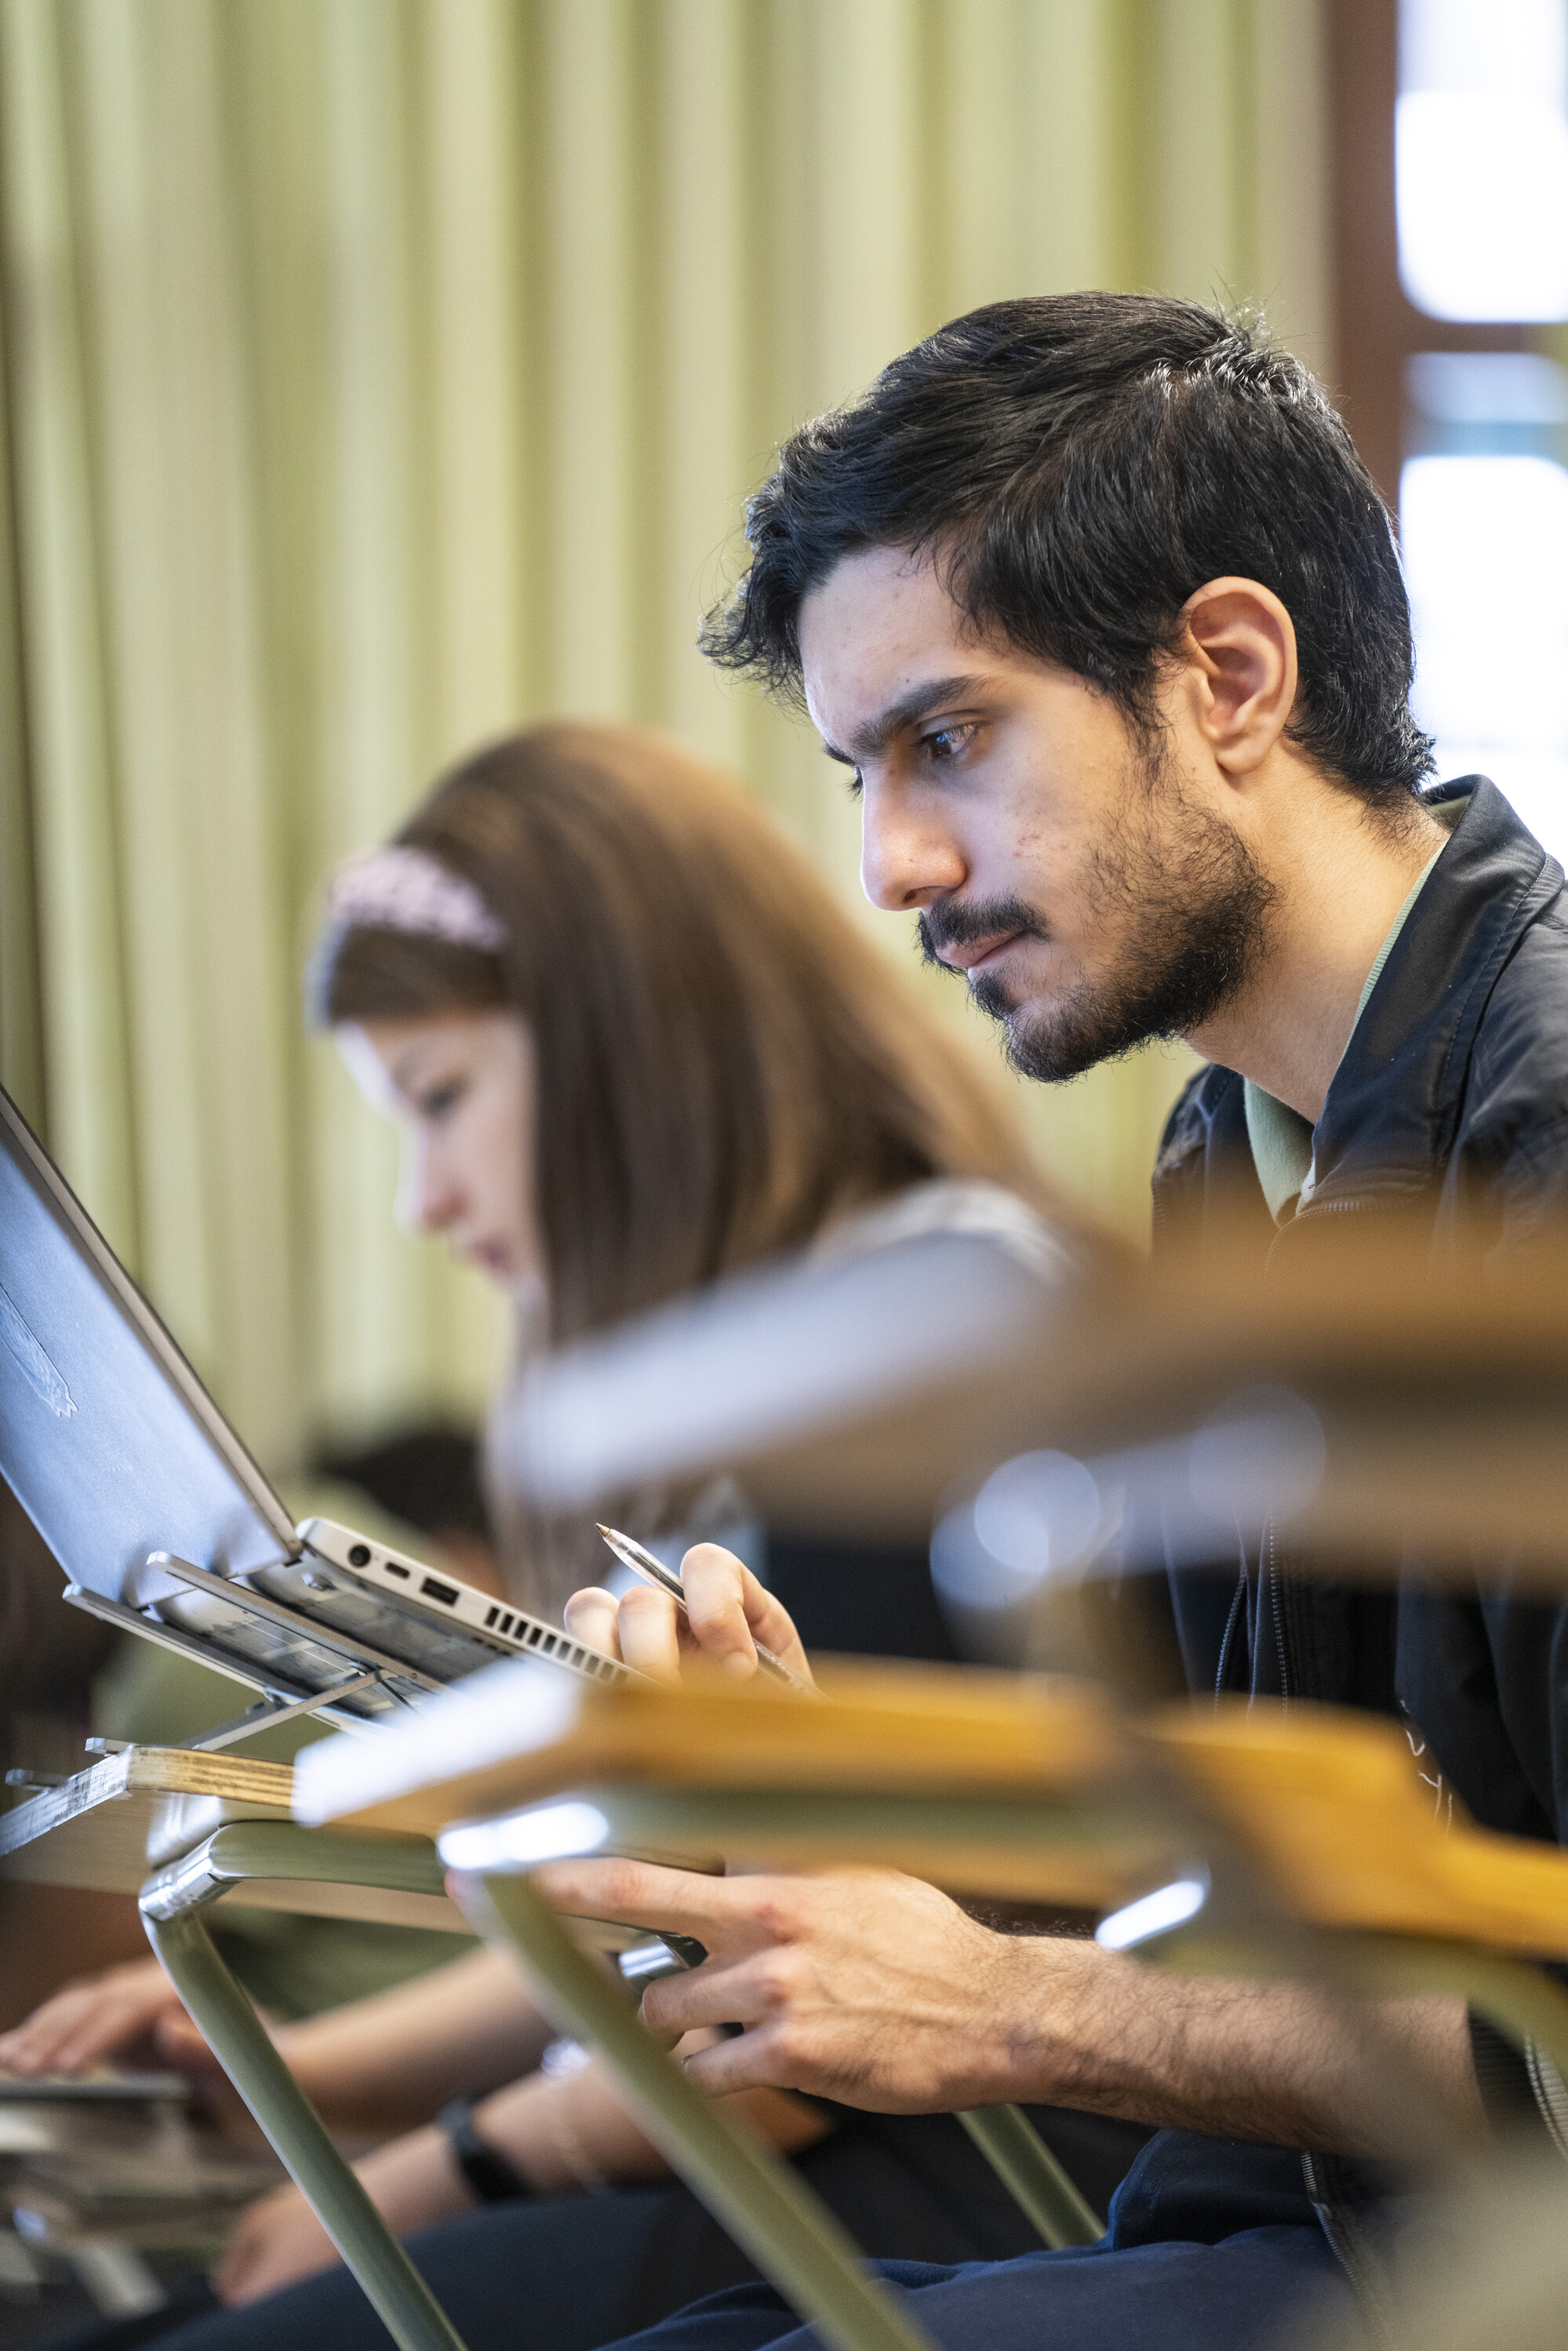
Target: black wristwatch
{"type": "Point", "coordinates": [492, 2179]}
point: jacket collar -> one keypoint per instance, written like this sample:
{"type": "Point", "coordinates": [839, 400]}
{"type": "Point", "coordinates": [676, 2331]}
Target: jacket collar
{"type": "Point", "coordinates": [1389, 1120]}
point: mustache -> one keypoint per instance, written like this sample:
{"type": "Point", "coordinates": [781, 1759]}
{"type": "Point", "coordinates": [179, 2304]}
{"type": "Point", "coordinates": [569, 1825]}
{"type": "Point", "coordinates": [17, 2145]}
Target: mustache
{"type": "Point", "coordinates": [959, 923]}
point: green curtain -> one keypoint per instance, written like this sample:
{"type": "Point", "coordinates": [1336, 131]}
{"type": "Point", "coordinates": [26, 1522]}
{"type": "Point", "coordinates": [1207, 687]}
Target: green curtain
{"type": "Point", "coordinates": [381, 374]}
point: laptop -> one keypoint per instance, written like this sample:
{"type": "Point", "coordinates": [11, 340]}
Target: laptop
{"type": "Point", "coordinates": [162, 1522]}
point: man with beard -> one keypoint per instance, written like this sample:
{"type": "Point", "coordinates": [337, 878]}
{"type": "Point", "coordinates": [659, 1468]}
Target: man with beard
{"type": "Point", "coordinates": [1095, 600]}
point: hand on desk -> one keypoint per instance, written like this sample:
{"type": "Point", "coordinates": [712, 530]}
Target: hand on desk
{"type": "Point", "coordinates": [130, 2015]}
{"type": "Point", "coordinates": [727, 1611]}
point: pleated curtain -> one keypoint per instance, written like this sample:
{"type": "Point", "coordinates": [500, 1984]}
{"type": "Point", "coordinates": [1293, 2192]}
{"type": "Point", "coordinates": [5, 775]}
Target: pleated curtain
{"type": "Point", "coordinates": [380, 374]}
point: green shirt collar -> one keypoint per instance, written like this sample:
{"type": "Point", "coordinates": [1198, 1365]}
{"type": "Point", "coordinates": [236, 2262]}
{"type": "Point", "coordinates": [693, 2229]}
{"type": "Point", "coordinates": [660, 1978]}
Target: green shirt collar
{"type": "Point", "coordinates": [1281, 1139]}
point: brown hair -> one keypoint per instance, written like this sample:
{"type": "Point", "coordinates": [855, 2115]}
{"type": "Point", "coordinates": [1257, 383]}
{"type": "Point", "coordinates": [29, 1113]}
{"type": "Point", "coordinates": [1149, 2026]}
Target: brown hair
{"type": "Point", "coordinates": [724, 1064]}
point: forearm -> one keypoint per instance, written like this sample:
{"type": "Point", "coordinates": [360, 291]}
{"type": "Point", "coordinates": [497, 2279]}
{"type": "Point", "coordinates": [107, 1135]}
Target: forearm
{"type": "Point", "coordinates": [574, 2131]}
{"type": "Point", "coordinates": [1272, 2062]}
{"type": "Point", "coordinates": [561, 2134]}
{"type": "Point", "coordinates": [377, 2066]}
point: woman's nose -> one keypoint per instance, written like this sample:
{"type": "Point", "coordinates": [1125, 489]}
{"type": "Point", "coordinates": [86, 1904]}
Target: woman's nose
{"type": "Point", "coordinates": [429, 1197]}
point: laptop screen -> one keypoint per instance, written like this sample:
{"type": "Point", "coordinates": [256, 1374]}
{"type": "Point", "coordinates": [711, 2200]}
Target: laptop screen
{"type": "Point", "coordinates": [107, 1438]}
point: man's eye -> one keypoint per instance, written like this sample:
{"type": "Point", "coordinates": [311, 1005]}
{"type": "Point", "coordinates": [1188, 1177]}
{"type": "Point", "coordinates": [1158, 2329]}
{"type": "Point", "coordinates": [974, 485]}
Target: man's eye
{"type": "Point", "coordinates": [947, 743]}
{"type": "Point", "coordinates": [438, 1100]}
{"type": "Point", "coordinates": [857, 784]}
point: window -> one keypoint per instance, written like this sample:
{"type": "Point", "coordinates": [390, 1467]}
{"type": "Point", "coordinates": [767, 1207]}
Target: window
{"type": "Point", "coordinates": [1481, 158]}
{"type": "Point", "coordinates": [1481, 198]}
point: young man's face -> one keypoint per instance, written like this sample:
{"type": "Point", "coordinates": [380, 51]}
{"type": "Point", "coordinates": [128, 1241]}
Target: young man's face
{"type": "Point", "coordinates": [1090, 885]}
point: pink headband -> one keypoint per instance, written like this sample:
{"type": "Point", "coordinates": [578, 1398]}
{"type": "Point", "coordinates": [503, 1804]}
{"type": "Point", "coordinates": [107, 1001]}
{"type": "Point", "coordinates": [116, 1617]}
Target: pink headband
{"type": "Point", "coordinates": [402, 888]}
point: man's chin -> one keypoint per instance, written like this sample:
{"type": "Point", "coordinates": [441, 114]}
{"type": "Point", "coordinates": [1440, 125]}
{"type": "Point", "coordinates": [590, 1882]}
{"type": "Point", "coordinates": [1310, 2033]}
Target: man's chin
{"type": "Point", "coordinates": [1051, 1041]}
{"type": "Point", "coordinates": [1050, 1053]}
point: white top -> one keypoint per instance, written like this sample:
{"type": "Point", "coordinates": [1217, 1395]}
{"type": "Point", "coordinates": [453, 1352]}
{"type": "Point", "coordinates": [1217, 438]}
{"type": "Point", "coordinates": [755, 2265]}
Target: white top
{"type": "Point", "coordinates": [972, 1206]}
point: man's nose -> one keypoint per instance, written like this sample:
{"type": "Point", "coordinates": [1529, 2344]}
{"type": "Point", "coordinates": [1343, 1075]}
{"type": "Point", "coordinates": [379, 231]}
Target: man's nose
{"type": "Point", "coordinates": [908, 857]}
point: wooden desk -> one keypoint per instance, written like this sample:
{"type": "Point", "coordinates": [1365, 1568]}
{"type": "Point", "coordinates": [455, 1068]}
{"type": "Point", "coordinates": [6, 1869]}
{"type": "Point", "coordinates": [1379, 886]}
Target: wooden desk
{"type": "Point", "coordinates": [1331, 1805]}
{"type": "Point", "coordinates": [519, 1731]}
{"type": "Point", "coordinates": [1307, 1818]}
{"type": "Point", "coordinates": [988, 1782]}
{"type": "Point", "coordinates": [109, 1827]}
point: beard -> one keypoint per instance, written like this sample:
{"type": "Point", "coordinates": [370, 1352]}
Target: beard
{"type": "Point", "coordinates": [1185, 906]}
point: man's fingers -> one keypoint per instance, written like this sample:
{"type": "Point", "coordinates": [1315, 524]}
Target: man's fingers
{"type": "Point", "coordinates": [726, 1612]}
{"type": "Point", "coordinates": [730, 1611]}
{"type": "Point", "coordinates": [641, 1894]}
{"type": "Point", "coordinates": [713, 1994]}
{"type": "Point", "coordinates": [744, 2061]}
{"type": "Point", "coordinates": [650, 1632]}
{"type": "Point", "coordinates": [591, 1617]}
{"type": "Point", "coordinates": [714, 1582]}
{"type": "Point", "coordinates": [275, 2240]}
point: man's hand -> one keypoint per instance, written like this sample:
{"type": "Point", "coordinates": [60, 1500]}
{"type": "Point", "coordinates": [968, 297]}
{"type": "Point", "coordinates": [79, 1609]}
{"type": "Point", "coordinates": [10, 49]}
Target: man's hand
{"type": "Point", "coordinates": [727, 1613]}
{"type": "Point", "coordinates": [873, 1989]}
{"type": "Point", "coordinates": [130, 2015]}
{"type": "Point", "coordinates": [866, 1986]}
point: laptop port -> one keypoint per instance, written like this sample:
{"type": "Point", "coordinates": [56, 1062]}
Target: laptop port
{"type": "Point", "coordinates": [446, 1592]}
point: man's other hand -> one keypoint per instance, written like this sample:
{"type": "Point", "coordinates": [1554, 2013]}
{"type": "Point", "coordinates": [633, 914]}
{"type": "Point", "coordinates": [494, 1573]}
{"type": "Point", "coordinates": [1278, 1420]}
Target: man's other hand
{"type": "Point", "coordinates": [727, 1613]}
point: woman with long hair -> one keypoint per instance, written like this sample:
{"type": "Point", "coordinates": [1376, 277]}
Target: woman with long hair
{"type": "Point", "coordinates": [704, 1063]}
{"type": "Point", "coordinates": [634, 1046]}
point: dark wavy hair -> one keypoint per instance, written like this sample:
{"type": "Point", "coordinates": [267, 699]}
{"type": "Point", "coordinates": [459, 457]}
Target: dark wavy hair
{"type": "Point", "coordinates": [1077, 465]}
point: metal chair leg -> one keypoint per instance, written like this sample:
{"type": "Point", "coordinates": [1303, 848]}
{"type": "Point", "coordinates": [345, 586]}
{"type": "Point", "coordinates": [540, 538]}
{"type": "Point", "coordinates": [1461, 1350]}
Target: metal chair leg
{"type": "Point", "coordinates": [767, 2208]}
{"type": "Point", "coordinates": [1037, 2182]}
{"type": "Point", "coordinates": [178, 1934]}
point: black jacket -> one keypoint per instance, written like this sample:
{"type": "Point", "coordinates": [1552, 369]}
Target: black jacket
{"type": "Point", "coordinates": [1453, 1091]}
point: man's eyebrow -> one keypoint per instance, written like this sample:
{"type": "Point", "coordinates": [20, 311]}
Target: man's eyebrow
{"type": "Point", "coordinates": [875, 737]}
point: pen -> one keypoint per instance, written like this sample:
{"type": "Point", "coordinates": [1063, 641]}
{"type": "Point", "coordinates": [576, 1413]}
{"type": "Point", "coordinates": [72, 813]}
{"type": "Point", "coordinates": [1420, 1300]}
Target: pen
{"type": "Point", "coordinates": [654, 1571]}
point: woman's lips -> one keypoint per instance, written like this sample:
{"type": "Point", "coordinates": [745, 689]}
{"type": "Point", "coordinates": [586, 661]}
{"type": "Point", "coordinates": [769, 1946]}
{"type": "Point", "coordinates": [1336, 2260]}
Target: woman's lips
{"type": "Point", "coordinates": [491, 1257]}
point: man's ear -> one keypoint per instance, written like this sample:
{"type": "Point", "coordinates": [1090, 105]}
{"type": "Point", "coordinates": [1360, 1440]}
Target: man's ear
{"type": "Point", "coordinates": [1238, 646]}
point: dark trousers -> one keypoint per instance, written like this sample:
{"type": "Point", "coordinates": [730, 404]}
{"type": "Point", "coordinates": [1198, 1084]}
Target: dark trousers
{"type": "Point", "coordinates": [1212, 2247]}
{"type": "Point", "coordinates": [1233, 2296]}
{"type": "Point", "coordinates": [576, 2271]}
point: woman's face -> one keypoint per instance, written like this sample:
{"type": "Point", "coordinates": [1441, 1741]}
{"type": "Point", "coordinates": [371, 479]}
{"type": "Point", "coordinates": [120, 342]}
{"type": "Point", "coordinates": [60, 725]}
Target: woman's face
{"type": "Point", "coordinates": [462, 1088]}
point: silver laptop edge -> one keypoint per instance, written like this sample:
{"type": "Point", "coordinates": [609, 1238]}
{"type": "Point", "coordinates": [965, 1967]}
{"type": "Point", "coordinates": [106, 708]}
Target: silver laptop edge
{"type": "Point", "coordinates": [156, 1511]}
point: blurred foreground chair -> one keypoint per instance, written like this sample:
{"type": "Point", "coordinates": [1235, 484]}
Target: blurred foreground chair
{"type": "Point", "coordinates": [217, 1827]}
{"type": "Point", "coordinates": [989, 1784]}
{"type": "Point", "coordinates": [1263, 1822]}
